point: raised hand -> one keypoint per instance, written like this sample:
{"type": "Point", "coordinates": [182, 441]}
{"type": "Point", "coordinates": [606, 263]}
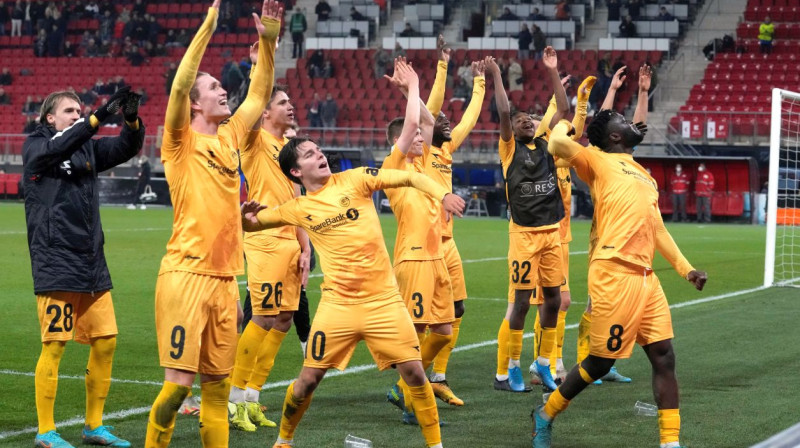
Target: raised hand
{"type": "Point", "coordinates": [216, 4]}
{"type": "Point", "coordinates": [619, 78]}
{"type": "Point", "coordinates": [130, 107]}
{"type": "Point", "coordinates": [304, 265]}
{"type": "Point", "coordinates": [113, 105]}
{"type": "Point", "coordinates": [491, 65]}
{"type": "Point", "coordinates": [641, 126]}
{"type": "Point", "coordinates": [478, 68]}
{"type": "Point", "coordinates": [565, 80]}
{"type": "Point", "coordinates": [250, 211]}
{"type": "Point", "coordinates": [585, 89]}
{"type": "Point", "coordinates": [550, 59]}
{"type": "Point", "coordinates": [271, 11]}
{"type": "Point", "coordinates": [443, 51]}
{"type": "Point", "coordinates": [645, 76]}
{"type": "Point", "coordinates": [698, 279]}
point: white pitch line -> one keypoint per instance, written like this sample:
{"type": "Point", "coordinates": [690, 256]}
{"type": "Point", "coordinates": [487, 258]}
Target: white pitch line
{"type": "Point", "coordinates": [333, 373]}
{"type": "Point", "coordinates": [76, 377]}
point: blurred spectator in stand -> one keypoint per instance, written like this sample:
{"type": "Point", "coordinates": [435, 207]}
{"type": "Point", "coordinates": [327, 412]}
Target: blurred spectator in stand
{"type": "Point", "coordinates": [613, 9]}
{"type": "Point", "coordinates": [29, 106]}
{"type": "Point", "coordinates": [100, 87]}
{"type": "Point", "coordinates": [314, 117]}
{"type": "Point", "coordinates": [507, 15]}
{"type": "Point", "coordinates": [329, 110]}
{"type": "Point", "coordinates": [315, 63]}
{"type": "Point", "coordinates": [503, 64]}
{"type": "Point", "coordinates": [30, 124]}
{"type": "Point", "coordinates": [171, 39]}
{"type": "Point", "coordinates": [184, 39]}
{"type": "Point", "coordinates": [408, 31]}
{"type": "Point", "coordinates": [17, 15]}
{"type": "Point", "coordinates": [766, 32]}
{"type": "Point", "coordinates": [634, 7]}
{"type": "Point", "coordinates": [92, 10]}
{"type": "Point", "coordinates": [524, 39]}
{"type": "Point", "coordinates": [298, 27]}
{"type": "Point", "coordinates": [678, 187]}
{"type": "Point", "coordinates": [124, 16]}
{"type": "Point", "coordinates": [40, 44]}
{"type": "Point", "coordinates": [143, 94]}
{"type": "Point", "coordinates": [539, 42]}
{"type": "Point", "coordinates": [357, 16]}
{"type": "Point", "coordinates": [653, 85]}
{"type": "Point", "coordinates": [515, 76]}
{"type": "Point", "coordinates": [87, 97]}
{"type": "Point", "coordinates": [465, 73]}
{"type": "Point", "coordinates": [327, 70]}
{"type": "Point", "coordinates": [232, 76]}
{"type": "Point", "coordinates": [140, 7]}
{"type": "Point", "coordinates": [153, 29]}
{"type": "Point", "coordinates": [37, 13]}
{"type": "Point", "coordinates": [703, 188]}
{"type": "Point", "coordinates": [382, 60]}
{"type": "Point", "coordinates": [627, 28]}
{"type": "Point", "coordinates": [92, 50]}
{"type": "Point", "coordinates": [604, 75]}
{"type": "Point", "coordinates": [38, 103]}
{"type": "Point", "coordinates": [169, 76]}
{"type": "Point", "coordinates": [4, 17]}
{"type": "Point", "coordinates": [115, 84]}
{"type": "Point", "coordinates": [398, 51]}
{"type": "Point", "coordinates": [69, 49]}
{"type": "Point", "coordinates": [461, 91]}
{"type": "Point", "coordinates": [322, 10]}
{"type": "Point", "coordinates": [5, 77]}
{"type": "Point", "coordinates": [536, 15]}
{"type": "Point", "coordinates": [55, 40]}
{"type": "Point", "coordinates": [664, 15]}
{"type": "Point", "coordinates": [4, 97]}
{"type": "Point", "coordinates": [562, 10]}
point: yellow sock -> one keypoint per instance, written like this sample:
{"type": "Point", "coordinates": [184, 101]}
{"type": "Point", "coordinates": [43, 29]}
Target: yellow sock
{"type": "Point", "coordinates": [406, 395]}
{"type": "Point", "coordinates": [427, 414]}
{"type": "Point", "coordinates": [537, 335]}
{"type": "Point", "coordinates": [583, 336]}
{"type": "Point", "coordinates": [266, 358]}
{"type": "Point", "coordinates": [214, 413]}
{"type": "Point", "coordinates": [502, 348]}
{"type": "Point", "coordinates": [293, 410]}
{"type": "Point", "coordinates": [548, 342]}
{"type": "Point", "coordinates": [560, 328]}
{"type": "Point", "coordinates": [46, 383]}
{"type": "Point", "coordinates": [440, 362]}
{"type": "Point", "coordinates": [247, 351]}
{"type": "Point", "coordinates": [98, 379]}
{"type": "Point", "coordinates": [669, 425]}
{"type": "Point", "coordinates": [556, 404]}
{"type": "Point", "coordinates": [431, 347]}
{"type": "Point", "coordinates": [161, 422]}
{"type": "Point", "coordinates": [515, 344]}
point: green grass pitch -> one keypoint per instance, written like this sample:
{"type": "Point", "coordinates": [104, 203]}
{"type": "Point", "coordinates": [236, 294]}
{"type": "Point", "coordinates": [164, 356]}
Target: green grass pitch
{"type": "Point", "coordinates": [735, 356]}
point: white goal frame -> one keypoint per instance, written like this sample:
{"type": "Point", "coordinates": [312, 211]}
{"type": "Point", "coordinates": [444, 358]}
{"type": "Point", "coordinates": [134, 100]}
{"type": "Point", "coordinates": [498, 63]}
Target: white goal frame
{"type": "Point", "coordinates": [772, 190]}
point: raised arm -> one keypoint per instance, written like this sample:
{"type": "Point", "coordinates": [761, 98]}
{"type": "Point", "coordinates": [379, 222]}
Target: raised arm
{"type": "Point", "coordinates": [561, 143]}
{"type": "Point", "coordinates": [550, 61]}
{"type": "Point", "coordinates": [579, 120]}
{"type": "Point", "coordinates": [500, 97]}
{"type": "Point", "coordinates": [178, 115]}
{"type": "Point", "coordinates": [382, 179]}
{"type": "Point", "coordinates": [436, 97]}
{"type": "Point", "coordinates": [473, 112]}
{"type": "Point", "coordinates": [405, 77]}
{"type": "Point", "coordinates": [645, 75]}
{"type": "Point", "coordinates": [668, 249]}
{"type": "Point", "coordinates": [263, 77]}
{"type": "Point", "coordinates": [616, 83]}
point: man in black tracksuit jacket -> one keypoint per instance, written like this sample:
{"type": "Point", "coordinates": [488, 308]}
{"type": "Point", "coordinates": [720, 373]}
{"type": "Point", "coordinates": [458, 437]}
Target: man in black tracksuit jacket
{"type": "Point", "coordinates": [61, 162]}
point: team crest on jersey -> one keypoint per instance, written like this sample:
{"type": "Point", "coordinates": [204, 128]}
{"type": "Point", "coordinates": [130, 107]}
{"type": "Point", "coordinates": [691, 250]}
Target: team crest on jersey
{"type": "Point", "coordinates": [352, 214]}
{"type": "Point", "coordinates": [344, 201]}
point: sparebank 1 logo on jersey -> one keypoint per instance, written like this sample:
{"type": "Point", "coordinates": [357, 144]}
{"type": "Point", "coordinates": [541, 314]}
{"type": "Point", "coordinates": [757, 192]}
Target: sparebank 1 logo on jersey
{"type": "Point", "coordinates": [337, 221]}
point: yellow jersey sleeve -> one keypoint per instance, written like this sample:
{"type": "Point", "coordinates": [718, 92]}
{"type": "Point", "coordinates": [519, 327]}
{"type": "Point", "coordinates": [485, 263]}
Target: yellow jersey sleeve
{"type": "Point", "coordinates": [436, 98]}
{"type": "Point", "coordinates": [471, 115]}
{"type": "Point", "coordinates": [544, 126]}
{"type": "Point", "coordinates": [266, 183]}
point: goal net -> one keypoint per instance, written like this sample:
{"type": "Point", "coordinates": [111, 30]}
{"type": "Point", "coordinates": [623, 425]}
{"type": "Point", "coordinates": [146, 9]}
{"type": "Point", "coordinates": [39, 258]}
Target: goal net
{"type": "Point", "coordinates": [782, 261]}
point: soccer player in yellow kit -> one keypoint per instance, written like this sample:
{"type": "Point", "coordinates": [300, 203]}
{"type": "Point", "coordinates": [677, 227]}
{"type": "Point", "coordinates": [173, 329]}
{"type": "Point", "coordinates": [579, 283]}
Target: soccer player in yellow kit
{"type": "Point", "coordinates": [565, 234]}
{"type": "Point", "coordinates": [196, 292]}
{"type": "Point", "coordinates": [628, 303]}
{"type": "Point", "coordinates": [277, 263]}
{"type": "Point", "coordinates": [439, 167]}
{"type": "Point", "coordinates": [360, 296]}
{"type": "Point", "coordinates": [534, 252]}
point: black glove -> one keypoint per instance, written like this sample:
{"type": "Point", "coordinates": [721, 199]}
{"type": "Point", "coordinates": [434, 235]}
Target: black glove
{"type": "Point", "coordinates": [113, 105]}
{"type": "Point", "coordinates": [130, 107]}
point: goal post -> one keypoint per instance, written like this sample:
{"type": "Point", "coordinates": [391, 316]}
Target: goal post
{"type": "Point", "coordinates": [782, 258]}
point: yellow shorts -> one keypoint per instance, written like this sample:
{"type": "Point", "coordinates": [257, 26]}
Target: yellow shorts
{"type": "Point", "coordinates": [538, 298]}
{"type": "Point", "coordinates": [196, 322]}
{"type": "Point", "coordinates": [452, 258]}
{"type": "Point", "coordinates": [273, 276]}
{"type": "Point", "coordinates": [534, 258]}
{"type": "Point", "coordinates": [628, 305]}
{"type": "Point", "coordinates": [89, 316]}
{"type": "Point", "coordinates": [383, 324]}
{"type": "Point", "coordinates": [426, 291]}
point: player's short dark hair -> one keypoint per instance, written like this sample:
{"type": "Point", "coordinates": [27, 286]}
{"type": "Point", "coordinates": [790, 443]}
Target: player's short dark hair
{"type": "Point", "coordinates": [597, 129]}
{"type": "Point", "coordinates": [275, 89]}
{"type": "Point", "coordinates": [51, 102]}
{"type": "Point", "coordinates": [287, 158]}
{"type": "Point", "coordinates": [394, 129]}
